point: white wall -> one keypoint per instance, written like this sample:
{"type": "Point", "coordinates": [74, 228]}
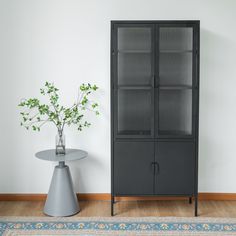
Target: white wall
{"type": "Point", "coordinates": [68, 42]}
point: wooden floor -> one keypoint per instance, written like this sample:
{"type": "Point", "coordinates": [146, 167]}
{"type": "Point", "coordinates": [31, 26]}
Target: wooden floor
{"type": "Point", "coordinates": [125, 208]}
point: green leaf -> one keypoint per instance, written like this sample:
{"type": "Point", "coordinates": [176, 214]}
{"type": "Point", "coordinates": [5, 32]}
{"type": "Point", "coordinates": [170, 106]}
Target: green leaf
{"type": "Point", "coordinates": [54, 112]}
{"type": "Point", "coordinates": [94, 87]}
{"type": "Point", "coordinates": [21, 104]}
{"type": "Point", "coordinates": [94, 105]}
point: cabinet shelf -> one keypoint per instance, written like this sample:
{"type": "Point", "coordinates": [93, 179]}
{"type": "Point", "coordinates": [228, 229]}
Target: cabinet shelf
{"type": "Point", "coordinates": [173, 133]}
{"type": "Point", "coordinates": [134, 132]}
{"type": "Point", "coordinates": [137, 87]}
{"type": "Point", "coordinates": [175, 51]}
{"type": "Point", "coordinates": [161, 87]}
{"type": "Point", "coordinates": [175, 87]}
{"type": "Point", "coordinates": [134, 51]}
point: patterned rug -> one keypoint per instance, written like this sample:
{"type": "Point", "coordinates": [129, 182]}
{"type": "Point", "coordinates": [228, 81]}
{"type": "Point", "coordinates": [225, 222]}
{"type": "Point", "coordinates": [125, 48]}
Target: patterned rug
{"type": "Point", "coordinates": [116, 226]}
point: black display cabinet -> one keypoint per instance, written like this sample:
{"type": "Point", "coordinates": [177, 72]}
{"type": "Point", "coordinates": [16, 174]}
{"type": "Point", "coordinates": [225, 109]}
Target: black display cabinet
{"type": "Point", "coordinates": [154, 108]}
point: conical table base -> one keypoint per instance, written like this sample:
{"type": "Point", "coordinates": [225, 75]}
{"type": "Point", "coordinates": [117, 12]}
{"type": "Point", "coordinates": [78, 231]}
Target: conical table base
{"type": "Point", "coordinates": [61, 199]}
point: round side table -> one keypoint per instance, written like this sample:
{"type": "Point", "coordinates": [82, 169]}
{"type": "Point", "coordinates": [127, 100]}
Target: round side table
{"type": "Point", "coordinates": [61, 198]}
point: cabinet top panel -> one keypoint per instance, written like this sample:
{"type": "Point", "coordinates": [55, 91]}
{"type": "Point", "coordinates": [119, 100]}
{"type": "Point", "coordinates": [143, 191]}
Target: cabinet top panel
{"type": "Point", "coordinates": [155, 21]}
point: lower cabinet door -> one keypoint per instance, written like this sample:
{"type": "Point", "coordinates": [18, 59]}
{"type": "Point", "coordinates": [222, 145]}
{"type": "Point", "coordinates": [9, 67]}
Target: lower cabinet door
{"type": "Point", "coordinates": [133, 169]}
{"type": "Point", "coordinates": [176, 168]}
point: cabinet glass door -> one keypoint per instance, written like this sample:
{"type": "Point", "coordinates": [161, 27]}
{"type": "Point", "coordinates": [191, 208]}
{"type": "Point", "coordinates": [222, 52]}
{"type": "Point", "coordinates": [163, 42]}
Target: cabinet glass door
{"type": "Point", "coordinates": [175, 73]}
{"type": "Point", "coordinates": [134, 113]}
{"type": "Point", "coordinates": [175, 112]}
{"type": "Point", "coordinates": [134, 56]}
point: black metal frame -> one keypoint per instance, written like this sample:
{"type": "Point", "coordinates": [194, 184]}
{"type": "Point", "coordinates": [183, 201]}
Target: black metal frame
{"type": "Point", "coordinates": [154, 90]}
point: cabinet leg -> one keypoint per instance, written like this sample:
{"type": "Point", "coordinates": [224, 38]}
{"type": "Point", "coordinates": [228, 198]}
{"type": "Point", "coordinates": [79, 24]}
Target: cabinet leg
{"type": "Point", "coordinates": [112, 206]}
{"type": "Point", "coordinates": [190, 200]}
{"type": "Point", "coordinates": [196, 206]}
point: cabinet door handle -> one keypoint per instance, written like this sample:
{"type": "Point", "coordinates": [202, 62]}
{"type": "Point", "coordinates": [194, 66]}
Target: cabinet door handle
{"type": "Point", "coordinates": [157, 169]}
{"type": "Point", "coordinates": [153, 81]}
{"type": "Point", "coordinates": [153, 168]}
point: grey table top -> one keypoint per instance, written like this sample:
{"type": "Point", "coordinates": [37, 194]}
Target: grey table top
{"type": "Point", "coordinates": [71, 155]}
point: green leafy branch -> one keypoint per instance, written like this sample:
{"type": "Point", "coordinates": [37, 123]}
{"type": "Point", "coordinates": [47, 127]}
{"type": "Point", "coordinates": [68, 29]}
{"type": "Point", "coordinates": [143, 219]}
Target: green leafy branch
{"type": "Point", "coordinates": [37, 114]}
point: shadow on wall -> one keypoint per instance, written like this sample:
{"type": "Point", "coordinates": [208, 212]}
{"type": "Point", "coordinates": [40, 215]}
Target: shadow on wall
{"type": "Point", "coordinates": [217, 97]}
{"type": "Point", "coordinates": [90, 166]}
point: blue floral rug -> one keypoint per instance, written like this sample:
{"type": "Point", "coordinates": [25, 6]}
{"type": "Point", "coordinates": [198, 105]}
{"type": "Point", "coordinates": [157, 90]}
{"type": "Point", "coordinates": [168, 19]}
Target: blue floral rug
{"type": "Point", "coordinates": [116, 226]}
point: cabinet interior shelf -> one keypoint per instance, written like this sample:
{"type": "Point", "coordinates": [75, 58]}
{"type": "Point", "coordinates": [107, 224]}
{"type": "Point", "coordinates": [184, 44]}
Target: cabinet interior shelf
{"type": "Point", "coordinates": [134, 51]}
{"type": "Point", "coordinates": [137, 87]}
{"type": "Point", "coordinates": [173, 133]}
{"type": "Point", "coordinates": [175, 87]}
{"type": "Point", "coordinates": [160, 132]}
{"type": "Point", "coordinates": [147, 87]}
{"type": "Point", "coordinates": [134, 132]}
{"type": "Point", "coordinates": [175, 51]}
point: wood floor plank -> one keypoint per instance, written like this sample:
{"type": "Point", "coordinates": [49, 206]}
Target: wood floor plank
{"type": "Point", "coordinates": [127, 209]}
